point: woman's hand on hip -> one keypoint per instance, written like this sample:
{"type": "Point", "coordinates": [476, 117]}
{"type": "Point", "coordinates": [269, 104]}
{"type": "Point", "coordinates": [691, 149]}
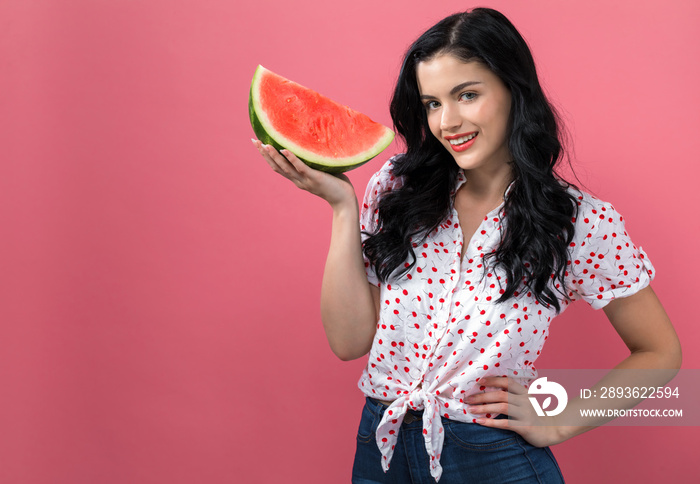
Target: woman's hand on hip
{"type": "Point", "coordinates": [512, 400]}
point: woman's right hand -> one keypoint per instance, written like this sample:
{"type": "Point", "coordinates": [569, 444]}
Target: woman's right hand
{"type": "Point", "coordinates": [335, 189]}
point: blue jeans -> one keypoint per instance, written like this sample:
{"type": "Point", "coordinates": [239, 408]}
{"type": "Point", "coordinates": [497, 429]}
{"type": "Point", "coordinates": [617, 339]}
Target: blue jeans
{"type": "Point", "coordinates": [471, 453]}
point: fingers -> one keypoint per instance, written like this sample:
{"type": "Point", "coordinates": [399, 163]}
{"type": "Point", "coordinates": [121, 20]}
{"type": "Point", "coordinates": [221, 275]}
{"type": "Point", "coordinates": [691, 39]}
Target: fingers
{"type": "Point", "coordinates": [506, 383]}
{"type": "Point", "coordinates": [487, 397]}
{"type": "Point", "coordinates": [494, 423]}
{"type": "Point", "coordinates": [490, 402]}
{"type": "Point", "coordinates": [489, 409]}
{"type": "Point", "coordinates": [279, 163]}
{"type": "Point", "coordinates": [261, 149]}
{"type": "Point", "coordinates": [298, 165]}
{"type": "Point", "coordinates": [505, 400]}
{"type": "Point", "coordinates": [335, 189]}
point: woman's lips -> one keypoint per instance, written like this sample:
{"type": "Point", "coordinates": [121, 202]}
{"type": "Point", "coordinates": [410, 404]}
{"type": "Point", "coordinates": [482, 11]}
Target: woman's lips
{"type": "Point", "coordinates": [464, 146]}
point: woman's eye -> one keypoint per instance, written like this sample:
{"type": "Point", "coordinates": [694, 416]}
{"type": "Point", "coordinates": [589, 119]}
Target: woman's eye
{"type": "Point", "coordinates": [467, 95]}
{"type": "Point", "coordinates": [431, 105]}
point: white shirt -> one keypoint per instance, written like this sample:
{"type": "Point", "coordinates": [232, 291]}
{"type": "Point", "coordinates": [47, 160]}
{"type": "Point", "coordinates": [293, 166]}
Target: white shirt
{"type": "Point", "coordinates": [440, 330]}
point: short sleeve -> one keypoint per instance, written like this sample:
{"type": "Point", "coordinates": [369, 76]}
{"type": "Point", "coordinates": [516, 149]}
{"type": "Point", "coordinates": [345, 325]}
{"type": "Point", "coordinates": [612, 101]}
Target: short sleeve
{"type": "Point", "coordinates": [381, 182]}
{"type": "Point", "coordinates": [604, 262]}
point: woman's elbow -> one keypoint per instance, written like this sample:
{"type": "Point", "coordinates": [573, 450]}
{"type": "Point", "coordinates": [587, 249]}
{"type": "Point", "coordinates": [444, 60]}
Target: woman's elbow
{"type": "Point", "coordinates": [350, 353]}
{"type": "Point", "coordinates": [676, 358]}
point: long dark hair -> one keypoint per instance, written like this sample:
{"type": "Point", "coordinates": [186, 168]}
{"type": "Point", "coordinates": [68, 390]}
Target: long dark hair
{"type": "Point", "coordinates": [540, 211]}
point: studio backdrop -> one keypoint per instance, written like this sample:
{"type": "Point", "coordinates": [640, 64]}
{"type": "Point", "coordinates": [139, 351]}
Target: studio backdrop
{"type": "Point", "coordinates": [160, 284]}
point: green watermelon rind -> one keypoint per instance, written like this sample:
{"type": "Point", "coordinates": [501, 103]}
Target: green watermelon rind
{"type": "Point", "coordinates": [268, 135]}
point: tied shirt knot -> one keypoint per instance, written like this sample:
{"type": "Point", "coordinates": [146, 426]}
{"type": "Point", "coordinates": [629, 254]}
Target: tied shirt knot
{"type": "Point", "coordinates": [433, 431]}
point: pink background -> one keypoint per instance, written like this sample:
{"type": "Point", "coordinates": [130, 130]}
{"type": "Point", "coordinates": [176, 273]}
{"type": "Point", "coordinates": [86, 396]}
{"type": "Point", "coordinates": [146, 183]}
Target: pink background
{"type": "Point", "coordinates": [159, 284]}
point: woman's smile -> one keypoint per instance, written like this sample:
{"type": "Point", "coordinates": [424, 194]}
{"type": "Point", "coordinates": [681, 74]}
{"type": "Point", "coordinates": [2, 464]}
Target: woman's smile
{"type": "Point", "coordinates": [461, 142]}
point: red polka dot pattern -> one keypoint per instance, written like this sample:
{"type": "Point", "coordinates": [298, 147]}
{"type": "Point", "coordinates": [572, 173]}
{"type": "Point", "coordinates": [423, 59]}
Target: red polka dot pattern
{"type": "Point", "coordinates": [440, 329]}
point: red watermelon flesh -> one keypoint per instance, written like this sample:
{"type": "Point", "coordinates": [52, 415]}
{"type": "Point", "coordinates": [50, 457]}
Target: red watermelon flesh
{"type": "Point", "coordinates": [321, 132]}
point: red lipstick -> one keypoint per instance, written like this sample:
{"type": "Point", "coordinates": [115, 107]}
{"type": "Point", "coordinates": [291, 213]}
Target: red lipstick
{"type": "Point", "coordinates": [458, 135]}
{"type": "Point", "coordinates": [463, 146]}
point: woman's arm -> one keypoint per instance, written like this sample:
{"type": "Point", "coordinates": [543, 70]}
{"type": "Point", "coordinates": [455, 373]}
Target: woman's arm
{"type": "Point", "coordinates": [349, 304]}
{"type": "Point", "coordinates": [643, 325]}
{"type": "Point", "coordinates": [646, 329]}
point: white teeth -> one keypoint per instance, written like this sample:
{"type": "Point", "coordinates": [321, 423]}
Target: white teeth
{"type": "Point", "coordinates": [461, 140]}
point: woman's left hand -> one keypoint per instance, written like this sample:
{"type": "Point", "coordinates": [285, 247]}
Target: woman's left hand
{"type": "Point", "coordinates": [512, 400]}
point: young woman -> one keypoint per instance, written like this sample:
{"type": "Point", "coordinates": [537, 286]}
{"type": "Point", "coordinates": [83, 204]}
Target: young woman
{"type": "Point", "coordinates": [465, 248]}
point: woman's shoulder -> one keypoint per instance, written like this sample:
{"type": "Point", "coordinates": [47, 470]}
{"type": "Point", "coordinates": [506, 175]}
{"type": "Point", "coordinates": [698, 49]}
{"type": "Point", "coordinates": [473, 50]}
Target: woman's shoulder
{"type": "Point", "coordinates": [589, 205]}
{"type": "Point", "coordinates": [605, 262]}
{"type": "Point", "coordinates": [597, 220]}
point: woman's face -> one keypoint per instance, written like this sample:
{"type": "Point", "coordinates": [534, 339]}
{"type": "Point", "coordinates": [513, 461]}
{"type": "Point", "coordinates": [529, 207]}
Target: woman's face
{"type": "Point", "coordinates": [464, 99]}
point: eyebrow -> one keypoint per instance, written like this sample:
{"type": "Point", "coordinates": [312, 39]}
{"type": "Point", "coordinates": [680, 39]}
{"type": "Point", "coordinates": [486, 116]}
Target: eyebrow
{"type": "Point", "coordinates": [454, 89]}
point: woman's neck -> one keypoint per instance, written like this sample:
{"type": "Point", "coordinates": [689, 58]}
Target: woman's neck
{"type": "Point", "coordinates": [484, 187]}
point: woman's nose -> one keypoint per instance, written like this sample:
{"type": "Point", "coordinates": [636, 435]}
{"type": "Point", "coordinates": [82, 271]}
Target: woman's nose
{"type": "Point", "coordinates": [450, 118]}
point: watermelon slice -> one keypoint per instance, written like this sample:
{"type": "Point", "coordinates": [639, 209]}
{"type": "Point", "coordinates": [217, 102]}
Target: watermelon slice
{"type": "Point", "coordinates": [322, 133]}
